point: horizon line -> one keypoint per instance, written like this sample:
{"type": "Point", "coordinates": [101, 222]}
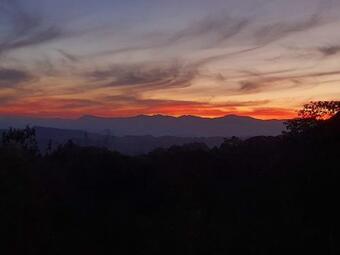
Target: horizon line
{"type": "Point", "coordinates": [142, 115]}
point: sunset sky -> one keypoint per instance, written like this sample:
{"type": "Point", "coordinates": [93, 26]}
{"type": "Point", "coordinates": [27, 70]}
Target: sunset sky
{"type": "Point", "coordinates": [210, 58]}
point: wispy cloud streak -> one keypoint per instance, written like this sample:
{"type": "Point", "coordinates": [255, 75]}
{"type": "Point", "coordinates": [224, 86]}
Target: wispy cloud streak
{"type": "Point", "coordinates": [144, 76]}
{"type": "Point", "coordinates": [13, 77]}
{"type": "Point", "coordinates": [26, 29]}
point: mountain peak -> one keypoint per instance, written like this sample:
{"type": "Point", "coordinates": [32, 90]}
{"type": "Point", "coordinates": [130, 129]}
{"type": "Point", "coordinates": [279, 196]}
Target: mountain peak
{"type": "Point", "coordinates": [237, 117]}
{"type": "Point", "coordinates": [190, 117]}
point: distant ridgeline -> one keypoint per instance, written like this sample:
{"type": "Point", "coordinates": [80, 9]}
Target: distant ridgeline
{"type": "Point", "coordinates": [142, 134]}
{"type": "Point", "coordinates": [158, 125]}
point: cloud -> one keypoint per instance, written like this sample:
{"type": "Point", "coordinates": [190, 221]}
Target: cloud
{"type": "Point", "coordinates": [24, 29]}
{"type": "Point", "coordinates": [150, 75]}
{"type": "Point", "coordinates": [263, 81]}
{"type": "Point", "coordinates": [216, 31]}
{"type": "Point", "coordinates": [280, 30]}
{"type": "Point", "coordinates": [213, 30]}
{"type": "Point", "coordinates": [70, 57]}
{"type": "Point", "coordinates": [153, 76]}
{"type": "Point", "coordinates": [13, 77]}
{"type": "Point", "coordinates": [214, 58]}
{"type": "Point", "coordinates": [243, 103]}
{"type": "Point", "coordinates": [4, 99]}
{"type": "Point", "coordinates": [128, 105]}
{"type": "Point", "coordinates": [146, 76]}
{"type": "Point", "coordinates": [250, 85]}
{"type": "Point", "coordinates": [75, 103]}
{"type": "Point", "coordinates": [139, 101]}
{"type": "Point", "coordinates": [329, 50]}
{"type": "Point", "coordinates": [42, 106]}
{"type": "Point", "coordinates": [274, 32]}
{"type": "Point", "coordinates": [219, 28]}
{"type": "Point", "coordinates": [136, 101]}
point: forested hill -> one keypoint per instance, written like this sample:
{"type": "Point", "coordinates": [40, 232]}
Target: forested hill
{"type": "Point", "coordinates": [128, 145]}
{"type": "Point", "coordinates": [265, 195]}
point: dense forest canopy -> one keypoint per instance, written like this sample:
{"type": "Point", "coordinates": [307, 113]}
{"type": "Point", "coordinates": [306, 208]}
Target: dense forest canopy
{"type": "Point", "coordinates": [263, 195]}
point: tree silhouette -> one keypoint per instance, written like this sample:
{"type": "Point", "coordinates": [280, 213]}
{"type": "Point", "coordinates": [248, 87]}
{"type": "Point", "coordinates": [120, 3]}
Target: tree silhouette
{"type": "Point", "coordinates": [311, 115]}
{"type": "Point", "coordinates": [320, 110]}
{"type": "Point", "coordinates": [21, 138]}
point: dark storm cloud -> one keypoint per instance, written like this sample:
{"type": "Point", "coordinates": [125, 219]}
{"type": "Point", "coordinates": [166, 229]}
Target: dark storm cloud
{"type": "Point", "coordinates": [13, 77]}
{"type": "Point", "coordinates": [24, 29]}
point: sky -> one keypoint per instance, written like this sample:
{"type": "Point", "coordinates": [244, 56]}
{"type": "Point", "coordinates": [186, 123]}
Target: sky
{"type": "Point", "coordinates": [209, 58]}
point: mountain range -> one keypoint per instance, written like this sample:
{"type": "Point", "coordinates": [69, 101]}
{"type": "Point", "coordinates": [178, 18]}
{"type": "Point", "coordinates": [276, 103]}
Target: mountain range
{"type": "Point", "coordinates": [156, 125]}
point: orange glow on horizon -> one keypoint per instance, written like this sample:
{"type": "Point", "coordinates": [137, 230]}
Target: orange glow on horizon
{"type": "Point", "coordinates": [57, 109]}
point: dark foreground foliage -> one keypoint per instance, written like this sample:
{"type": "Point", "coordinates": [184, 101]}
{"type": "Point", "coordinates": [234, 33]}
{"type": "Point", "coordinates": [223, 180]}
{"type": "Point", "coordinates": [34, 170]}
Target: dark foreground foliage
{"type": "Point", "coordinates": [265, 195]}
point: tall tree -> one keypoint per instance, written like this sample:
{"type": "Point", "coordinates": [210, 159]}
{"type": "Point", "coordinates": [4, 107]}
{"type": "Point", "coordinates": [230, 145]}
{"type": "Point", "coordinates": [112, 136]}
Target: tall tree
{"type": "Point", "coordinates": [311, 115]}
